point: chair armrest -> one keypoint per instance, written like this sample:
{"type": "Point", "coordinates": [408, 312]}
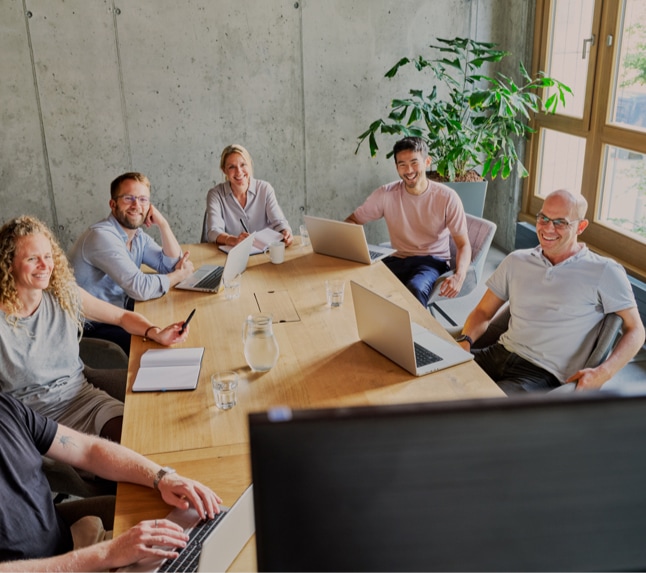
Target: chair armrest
{"type": "Point", "coordinates": [610, 331]}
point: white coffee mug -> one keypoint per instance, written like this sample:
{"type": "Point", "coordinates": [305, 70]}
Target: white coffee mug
{"type": "Point", "coordinates": [277, 252]}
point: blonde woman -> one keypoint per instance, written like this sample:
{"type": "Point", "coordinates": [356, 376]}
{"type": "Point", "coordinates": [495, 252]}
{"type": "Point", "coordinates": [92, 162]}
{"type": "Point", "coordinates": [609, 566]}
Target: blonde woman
{"type": "Point", "coordinates": [242, 204]}
{"type": "Point", "coordinates": [41, 315]}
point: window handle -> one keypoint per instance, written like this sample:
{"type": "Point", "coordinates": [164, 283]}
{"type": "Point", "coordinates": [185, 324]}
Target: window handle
{"type": "Point", "coordinates": [587, 41]}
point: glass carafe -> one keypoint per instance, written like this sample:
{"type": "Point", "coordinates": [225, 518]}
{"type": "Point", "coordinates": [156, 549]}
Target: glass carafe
{"type": "Point", "coordinates": [260, 345]}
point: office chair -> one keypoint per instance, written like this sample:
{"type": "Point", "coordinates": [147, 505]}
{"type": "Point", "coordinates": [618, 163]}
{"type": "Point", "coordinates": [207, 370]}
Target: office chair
{"type": "Point", "coordinates": [106, 367]}
{"type": "Point", "coordinates": [97, 353]}
{"type": "Point", "coordinates": [204, 237]}
{"type": "Point", "coordinates": [481, 234]}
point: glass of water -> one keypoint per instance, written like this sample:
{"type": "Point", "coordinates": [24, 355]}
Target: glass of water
{"type": "Point", "coordinates": [224, 389]}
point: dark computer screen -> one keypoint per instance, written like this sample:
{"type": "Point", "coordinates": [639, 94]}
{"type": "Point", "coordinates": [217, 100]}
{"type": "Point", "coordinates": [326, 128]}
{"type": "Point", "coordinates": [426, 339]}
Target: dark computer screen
{"type": "Point", "coordinates": [532, 484]}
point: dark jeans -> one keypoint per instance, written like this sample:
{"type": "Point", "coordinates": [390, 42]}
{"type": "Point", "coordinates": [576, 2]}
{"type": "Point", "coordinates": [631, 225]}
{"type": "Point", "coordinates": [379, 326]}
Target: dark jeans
{"type": "Point", "coordinates": [418, 273]}
{"type": "Point", "coordinates": [512, 373]}
{"type": "Point", "coordinates": [110, 332]}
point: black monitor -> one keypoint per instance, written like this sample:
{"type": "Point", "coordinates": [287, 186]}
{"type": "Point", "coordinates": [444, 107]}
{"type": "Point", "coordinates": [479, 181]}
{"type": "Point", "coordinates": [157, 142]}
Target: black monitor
{"type": "Point", "coordinates": [532, 484]}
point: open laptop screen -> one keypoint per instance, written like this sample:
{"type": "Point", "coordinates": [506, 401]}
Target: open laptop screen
{"type": "Point", "coordinates": [541, 483]}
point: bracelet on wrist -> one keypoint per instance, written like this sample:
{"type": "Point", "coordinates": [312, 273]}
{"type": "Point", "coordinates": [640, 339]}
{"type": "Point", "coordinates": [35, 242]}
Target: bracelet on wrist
{"type": "Point", "coordinates": [147, 331]}
{"type": "Point", "coordinates": [465, 338]}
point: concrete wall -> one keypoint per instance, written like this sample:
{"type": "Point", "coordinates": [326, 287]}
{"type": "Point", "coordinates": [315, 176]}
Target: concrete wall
{"type": "Point", "coordinates": [93, 88]}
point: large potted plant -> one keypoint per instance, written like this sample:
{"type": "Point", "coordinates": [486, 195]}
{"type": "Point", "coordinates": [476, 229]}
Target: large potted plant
{"type": "Point", "coordinates": [471, 121]}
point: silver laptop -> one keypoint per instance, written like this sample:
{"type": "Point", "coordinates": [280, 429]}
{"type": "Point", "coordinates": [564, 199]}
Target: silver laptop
{"type": "Point", "coordinates": [388, 329]}
{"type": "Point", "coordinates": [208, 278]}
{"type": "Point", "coordinates": [343, 240]}
{"type": "Point", "coordinates": [221, 546]}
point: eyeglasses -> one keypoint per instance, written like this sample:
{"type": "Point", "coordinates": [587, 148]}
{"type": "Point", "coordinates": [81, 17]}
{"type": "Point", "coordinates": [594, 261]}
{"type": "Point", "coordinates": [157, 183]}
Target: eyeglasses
{"type": "Point", "coordinates": [558, 223]}
{"type": "Point", "coordinates": [143, 200]}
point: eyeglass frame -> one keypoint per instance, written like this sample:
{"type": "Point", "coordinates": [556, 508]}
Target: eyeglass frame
{"type": "Point", "coordinates": [131, 199]}
{"type": "Point", "coordinates": [558, 223]}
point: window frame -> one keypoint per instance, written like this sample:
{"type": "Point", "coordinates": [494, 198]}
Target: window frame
{"type": "Point", "coordinates": [592, 127]}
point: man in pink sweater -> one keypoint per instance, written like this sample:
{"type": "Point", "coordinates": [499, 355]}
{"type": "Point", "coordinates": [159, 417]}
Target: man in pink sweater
{"type": "Point", "coordinates": [421, 215]}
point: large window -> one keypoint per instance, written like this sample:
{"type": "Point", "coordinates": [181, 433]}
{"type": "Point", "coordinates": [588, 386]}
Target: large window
{"type": "Point", "coordinates": [596, 145]}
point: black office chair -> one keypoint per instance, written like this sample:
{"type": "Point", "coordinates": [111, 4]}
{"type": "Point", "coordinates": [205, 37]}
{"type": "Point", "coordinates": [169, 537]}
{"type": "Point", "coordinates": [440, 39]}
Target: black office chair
{"type": "Point", "coordinates": [106, 367]}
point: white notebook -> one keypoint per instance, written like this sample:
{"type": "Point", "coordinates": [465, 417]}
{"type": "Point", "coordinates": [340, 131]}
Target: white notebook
{"type": "Point", "coordinates": [261, 241]}
{"type": "Point", "coordinates": [169, 369]}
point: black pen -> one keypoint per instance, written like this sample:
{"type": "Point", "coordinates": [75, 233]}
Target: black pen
{"type": "Point", "coordinates": [181, 331]}
{"type": "Point", "coordinates": [244, 226]}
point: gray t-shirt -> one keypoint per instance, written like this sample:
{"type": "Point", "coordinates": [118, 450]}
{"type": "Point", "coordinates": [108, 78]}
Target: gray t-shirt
{"type": "Point", "coordinates": [556, 310]}
{"type": "Point", "coordinates": [41, 367]}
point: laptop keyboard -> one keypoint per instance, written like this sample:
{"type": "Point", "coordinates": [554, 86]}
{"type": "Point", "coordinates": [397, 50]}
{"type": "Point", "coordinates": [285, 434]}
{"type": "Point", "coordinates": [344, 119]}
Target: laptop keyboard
{"type": "Point", "coordinates": [189, 557]}
{"type": "Point", "coordinates": [424, 357]}
{"type": "Point", "coordinates": [212, 280]}
{"type": "Point", "coordinates": [375, 255]}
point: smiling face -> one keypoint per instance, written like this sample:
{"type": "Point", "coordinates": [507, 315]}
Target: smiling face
{"type": "Point", "coordinates": [33, 263]}
{"type": "Point", "coordinates": [412, 166]}
{"type": "Point", "coordinates": [238, 172]}
{"type": "Point", "coordinates": [131, 215]}
{"type": "Point", "coordinates": [559, 244]}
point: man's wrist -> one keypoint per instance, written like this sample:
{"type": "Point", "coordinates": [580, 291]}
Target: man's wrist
{"type": "Point", "coordinates": [160, 475]}
{"type": "Point", "coordinates": [465, 338]}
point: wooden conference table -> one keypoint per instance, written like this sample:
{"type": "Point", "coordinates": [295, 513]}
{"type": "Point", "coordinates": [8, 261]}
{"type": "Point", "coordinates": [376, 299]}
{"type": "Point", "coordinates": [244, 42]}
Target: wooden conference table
{"type": "Point", "coordinates": [322, 363]}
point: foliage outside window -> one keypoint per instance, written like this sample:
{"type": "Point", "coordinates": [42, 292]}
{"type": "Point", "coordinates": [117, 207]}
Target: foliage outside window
{"type": "Point", "coordinates": [597, 145]}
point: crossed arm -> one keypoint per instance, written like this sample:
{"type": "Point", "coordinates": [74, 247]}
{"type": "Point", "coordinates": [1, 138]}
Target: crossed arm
{"type": "Point", "coordinates": [115, 462]}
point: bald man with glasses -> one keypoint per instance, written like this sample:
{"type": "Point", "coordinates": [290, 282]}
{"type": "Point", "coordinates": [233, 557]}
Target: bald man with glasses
{"type": "Point", "coordinates": [558, 293]}
{"type": "Point", "coordinates": [107, 257]}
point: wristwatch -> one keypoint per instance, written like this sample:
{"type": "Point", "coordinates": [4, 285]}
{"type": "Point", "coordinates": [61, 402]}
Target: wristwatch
{"type": "Point", "coordinates": [463, 338]}
{"type": "Point", "coordinates": [160, 474]}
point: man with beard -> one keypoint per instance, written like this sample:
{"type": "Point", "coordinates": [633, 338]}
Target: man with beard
{"type": "Point", "coordinates": [107, 257]}
{"type": "Point", "coordinates": [421, 216]}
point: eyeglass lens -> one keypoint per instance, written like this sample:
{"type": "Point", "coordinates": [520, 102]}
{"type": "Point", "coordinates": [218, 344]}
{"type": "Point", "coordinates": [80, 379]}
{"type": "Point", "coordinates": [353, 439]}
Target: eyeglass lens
{"type": "Point", "coordinates": [132, 199]}
{"type": "Point", "coordinates": [558, 223]}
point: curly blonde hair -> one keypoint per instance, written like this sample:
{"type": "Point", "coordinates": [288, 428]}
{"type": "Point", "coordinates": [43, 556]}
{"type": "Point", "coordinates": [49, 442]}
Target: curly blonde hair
{"type": "Point", "coordinates": [62, 285]}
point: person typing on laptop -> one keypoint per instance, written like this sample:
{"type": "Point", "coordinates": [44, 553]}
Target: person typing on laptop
{"type": "Point", "coordinates": [107, 257]}
{"type": "Point", "coordinates": [36, 535]}
{"type": "Point", "coordinates": [242, 204]}
{"type": "Point", "coordinates": [421, 215]}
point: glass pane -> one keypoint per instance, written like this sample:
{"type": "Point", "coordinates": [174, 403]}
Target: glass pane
{"type": "Point", "coordinates": [629, 94]}
{"type": "Point", "coordinates": [571, 25]}
{"type": "Point", "coordinates": [560, 162]}
{"type": "Point", "coordinates": [623, 199]}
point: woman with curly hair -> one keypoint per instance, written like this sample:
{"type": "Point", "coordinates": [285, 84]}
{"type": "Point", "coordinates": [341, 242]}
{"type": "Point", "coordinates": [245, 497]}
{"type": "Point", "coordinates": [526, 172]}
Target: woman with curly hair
{"type": "Point", "coordinates": [42, 310]}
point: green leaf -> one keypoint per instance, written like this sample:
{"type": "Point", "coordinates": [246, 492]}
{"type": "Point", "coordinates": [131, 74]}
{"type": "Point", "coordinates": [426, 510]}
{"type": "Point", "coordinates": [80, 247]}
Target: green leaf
{"type": "Point", "coordinates": [372, 142]}
{"type": "Point", "coordinates": [415, 115]}
{"type": "Point", "coordinates": [393, 71]}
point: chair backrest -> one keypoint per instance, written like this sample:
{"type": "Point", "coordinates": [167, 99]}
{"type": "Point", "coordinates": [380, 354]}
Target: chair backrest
{"type": "Point", "coordinates": [99, 353]}
{"type": "Point", "coordinates": [481, 233]}
{"type": "Point", "coordinates": [204, 238]}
